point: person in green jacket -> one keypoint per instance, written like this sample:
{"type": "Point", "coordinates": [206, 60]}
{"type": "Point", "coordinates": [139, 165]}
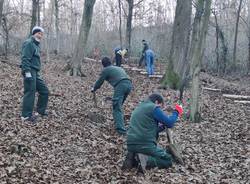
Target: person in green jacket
{"type": "Point", "coordinates": [31, 65]}
{"type": "Point", "coordinates": [147, 120]}
{"type": "Point", "coordinates": [118, 78]}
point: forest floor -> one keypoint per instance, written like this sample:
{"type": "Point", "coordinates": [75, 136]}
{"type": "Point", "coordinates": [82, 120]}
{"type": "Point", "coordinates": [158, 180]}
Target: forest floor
{"type": "Point", "coordinates": [77, 142]}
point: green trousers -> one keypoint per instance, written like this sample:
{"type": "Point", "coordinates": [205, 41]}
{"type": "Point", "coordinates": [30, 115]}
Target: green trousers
{"type": "Point", "coordinates": [31, 86]}
{"type": "Point", "coordinates": [121, 91]}
{"type": "Point", "coordinates": [158, 157]}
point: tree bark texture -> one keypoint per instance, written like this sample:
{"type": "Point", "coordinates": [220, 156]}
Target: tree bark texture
{"type": "Point", "coordinates": [200, 27]}
{"type": "Point", "coordinates": [129, 25]}
{"type": "Point", "coordinates": [120, 21]}
{"type": "Point", "coordinates": [1, 10]}
{"type": "Point", "coordinates": [57, 26]}
{"type": "Point", "coordinates": [178, 61]}
{"type": "Point", "coordinates": [34, 14]}
{"type": "Point", "coordinates": [236, 35]}
{"type": "Point", "coordinates": [78, 55]}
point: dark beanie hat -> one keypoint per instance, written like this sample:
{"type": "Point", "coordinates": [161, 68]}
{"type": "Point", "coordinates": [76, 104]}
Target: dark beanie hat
{"type": "Point", "coordinates": [106, 62]}
{"type": "Point", "coordinates": [37, 29]}
{"type": "Point", "coordinates": [156, 97]}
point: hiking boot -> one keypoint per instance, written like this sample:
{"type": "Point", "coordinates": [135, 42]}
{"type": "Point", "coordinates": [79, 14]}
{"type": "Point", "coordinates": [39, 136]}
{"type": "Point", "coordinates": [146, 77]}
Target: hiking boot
{"type": "Point", "coordinates": [129, 162]}
{"type": "Point", "coordinates": [44, 115]}
{"type": "Point", "coordinates": [31, 119]}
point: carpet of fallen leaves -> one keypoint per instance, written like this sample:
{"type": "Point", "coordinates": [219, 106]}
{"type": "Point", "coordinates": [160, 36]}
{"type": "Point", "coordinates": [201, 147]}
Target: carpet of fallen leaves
{"type": "Point", "coordinates": [77, 142]}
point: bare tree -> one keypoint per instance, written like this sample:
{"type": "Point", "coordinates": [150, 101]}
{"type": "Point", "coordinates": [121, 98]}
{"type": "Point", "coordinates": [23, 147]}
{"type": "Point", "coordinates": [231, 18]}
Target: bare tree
{"type": "Point", "coordinates": [78, 55]}
{"type": "Point", "coordinates": [200, 27]}
{"type": "Point", "coordinates": [49, 28]}
{"type": "Point", "coordinates": [236, 33]}
{"type": "Point", "coordinates": [129, 25]}
{"type": "Point", "coordinates": [1, 9]}
{"type": "Point", "coordinates": [38, 13]}
{"type": "Point", "coordinates": [221, 57]}
{"type": "Point", "coordinates": [180, 44]}
{"type": "Point", "coordinates": [57, 26]}
{"type": "Point", "coordinates": [35, 4]}
{"type": "Point", "coordinates": [120, 22]}
{"type": "Point", "coordinates": [248, 17]}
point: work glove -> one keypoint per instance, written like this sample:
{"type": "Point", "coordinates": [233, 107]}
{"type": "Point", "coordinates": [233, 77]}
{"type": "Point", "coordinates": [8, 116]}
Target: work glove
{"type": "Point", "coordinates": [27, 76]}
{"type": "Point", "coordinates": [92, 90]}
{"type": "Point", "coordinates": [179, 109]}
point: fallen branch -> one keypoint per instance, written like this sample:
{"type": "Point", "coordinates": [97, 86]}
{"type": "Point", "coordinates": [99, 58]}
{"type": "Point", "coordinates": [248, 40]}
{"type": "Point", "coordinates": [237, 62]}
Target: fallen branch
{"type": "Point", "coordinates": [212, 89]}
{"type": "Point", "coordinates": [9, 63]}
{"type": "Point", "coordinates": [56, 94]}
{"type": "Point", "coordinates": [236, 96]}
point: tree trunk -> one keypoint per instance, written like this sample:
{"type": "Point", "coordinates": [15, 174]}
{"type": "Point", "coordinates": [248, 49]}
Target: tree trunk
{"type": "Point", "coordinates": [217, 42]}
{"type": "Point", "coordinates": [48, 33]}
{"type": "Point", "coordinates": [224, 60]}
{"type": "Point", "coordinates": [57, 26]}
{"type": "Point", "coordinates": [38, 13]}
{"type": "Point", "coordinates": [1, 10]}
{"type": "Point", "coordinates": [200, 27]}
{"type": "Point", "coordinates": [178, 62]}
{"type": "Point", "coordinates": [248, 17]}
{"type": "Point", "coordinates": [120, 22]}
{"type": "Point", "coordinates": [129, 25]}
{"type": "Point", "coordinates": [78, 55]}
{"type": "Point", "coordinates": [236, 35]}
{"type": "Point", "coordinates": [6, 30]}
{"type": "Point", "coordinates": [34, 14]}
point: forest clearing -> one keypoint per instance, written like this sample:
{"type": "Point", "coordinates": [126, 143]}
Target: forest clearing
{"type": "Point", "coordinates": [124, 91]}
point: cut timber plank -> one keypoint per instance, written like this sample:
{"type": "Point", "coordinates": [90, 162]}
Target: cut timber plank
{"type": "Point", "coordinates": [138, 69]}
{"type": "Point", "coordinates": [155, 76]}
{"type": "Point", "coordinates": [89, 59]}
{"type": "Point", "coordinates": [236, 96]}
{"type": "Point", "coordinates": [143, 72]}
{"type": "Point", "coordinates": [126, 66]}
{"type": "Point", "coordinates": [212, 89]}
{"type": "Point", "coordinates": [242, 101]}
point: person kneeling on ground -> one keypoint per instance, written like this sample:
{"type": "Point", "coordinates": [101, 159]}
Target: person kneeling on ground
{"type": "Point", "coordinates": [118, 78]}
{"type": "Point", "coordinates": [147, 120]}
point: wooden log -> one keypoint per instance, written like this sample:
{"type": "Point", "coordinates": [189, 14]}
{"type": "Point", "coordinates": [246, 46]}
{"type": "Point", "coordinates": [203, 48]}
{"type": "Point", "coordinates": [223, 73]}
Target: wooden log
{"type": "Point", "coordinates": [143, 72]}
{"type": "Point", "coordinates": [236, 96]}
{"type": "Point", "coordinates": [126, 66]}
{"type": "Point", "coordinates": [155, 76]}
{"type": "Point", "coordinates": [137, 69]}
{"type": "Point", "coordinates": [89, 59]}
{"type": "Point", "coordinates": [242, 101]}
{"type": "Point", "coordinates": [212, 89]}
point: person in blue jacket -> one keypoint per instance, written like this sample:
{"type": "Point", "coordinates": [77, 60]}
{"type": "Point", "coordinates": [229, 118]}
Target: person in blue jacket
{"type": "Point", "coordinates": [147, 120]}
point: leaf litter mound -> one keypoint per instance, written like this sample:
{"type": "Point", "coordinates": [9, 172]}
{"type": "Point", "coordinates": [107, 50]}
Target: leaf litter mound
{"type": "Point", "coordinates": [77, 142]}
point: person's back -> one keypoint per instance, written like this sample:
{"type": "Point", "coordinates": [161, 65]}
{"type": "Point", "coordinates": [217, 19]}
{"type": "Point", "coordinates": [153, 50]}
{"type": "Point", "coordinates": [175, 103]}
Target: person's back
{"type": "Point", "coordinates": [143, 127]}
{"type": "Point", "coordinates": [114, 74]}
{"type": "Point", "coordinates": [147, 120]}
{"type": "Point", "coordinates": [145, 47]}
{"type": "Point", "coordinates": [118, 56]}
{"type": "Point", "coordinates": [118, 78]}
